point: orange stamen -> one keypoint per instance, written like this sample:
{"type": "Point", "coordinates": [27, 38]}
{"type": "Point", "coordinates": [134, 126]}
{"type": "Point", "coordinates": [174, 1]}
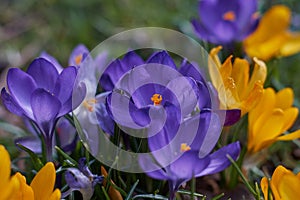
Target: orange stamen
{"type": "Point", "coordinates": [78, 59]}
{"type": "Point", "coordinates": [156, 98]}
{"type": "Point", "coordinates": [184, 147]}
{"type": "Point", "coordinates": [229, 16]}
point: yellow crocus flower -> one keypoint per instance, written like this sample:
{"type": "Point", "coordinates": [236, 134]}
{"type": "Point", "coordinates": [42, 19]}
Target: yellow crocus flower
{"type": "Point", "coordinates": [16, 188]}
{"type": "Point", "coordinates": [271, 118]}
{"type": "Point", "coordinates": [8, 184]}
{"type": "Point", "coordinates": [236, 88]}
{"type": "Point", "coordinates": [272, 37]}
{"type": "Point", "coordinates": [285, 185]}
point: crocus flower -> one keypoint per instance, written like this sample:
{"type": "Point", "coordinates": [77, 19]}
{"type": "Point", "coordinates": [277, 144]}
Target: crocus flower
{"type": "Point", "coordinates": [165, 109]}
{"type": "Point", "coordinates": [284, 185]}
{"type": "Point", "coordinates": [82, 179]}
{"type": "Point", "coordinates": [224, 22]}
{"type": "Point", "coordinates": [41, 94]}
{"type": "Point", "coordinates": [271, 118]}
{"type": "Point", "coordinates": [272, 37]}
{"type": "Point", "coordinates": [236, 88]}
{"type": "Point", "coordinates": [41, 187]}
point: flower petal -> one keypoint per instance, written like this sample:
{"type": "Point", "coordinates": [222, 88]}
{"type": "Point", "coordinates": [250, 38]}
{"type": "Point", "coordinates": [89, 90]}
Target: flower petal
{"type": "Point", "coordinates": [44, 73]}
{"type": "Point", "coordinates": [51, 59]}
{"type": "Point", "coordinates": [264, 184]}
{"type": "Point", "coordinates": [43, 182]}
{"type": "Point", "coordinates": [284, 98]}
{"type": "Point", "coordinates": [162, 57]}
{"type": "Point", "coordinates": [25, 191]}
{"type": "Point", "coordinates": [31, 142]}
{"type": "Point", "coordinates": [21, 86]}
{"type": "Point", "coordinates": [11, 104]}
{"type": "Point", "coordinates": [77, 55]}
{"type": "Point", "coordinates": [45, 109]}
{"type": "Point", "coordinates": [219, 160]}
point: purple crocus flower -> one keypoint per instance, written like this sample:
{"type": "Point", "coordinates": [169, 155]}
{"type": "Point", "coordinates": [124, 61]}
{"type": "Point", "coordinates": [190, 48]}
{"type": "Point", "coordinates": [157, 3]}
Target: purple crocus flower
{"type": "Point", "coordinates": [187, 158]}
{"type": "Point", "coordinates": [41, 94]}
{"type": "Point", "coordinates": [224, 22]}
{"type": "Point", "coordinates": [175, 112]}
{"type": "Point", "coordinates": [82, 179]}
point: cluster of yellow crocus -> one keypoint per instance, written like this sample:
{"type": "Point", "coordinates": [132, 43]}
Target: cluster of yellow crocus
{"type": "Point", "coordinates": [16, 188]}
{"type": "Point", "coordinates": [271, 118]}
{"type": "Point", "coordinates": [236, 88]}
{"type": "Point", "coordinates": [284, 185]}
{"type": "Point", "coordinates": [272, 37]}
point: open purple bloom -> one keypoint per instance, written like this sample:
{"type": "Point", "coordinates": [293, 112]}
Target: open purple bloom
{"type": "Point", "coordinates": [174, 110]}
{"type": "Point", "coordinates": [82, 179]}
{"type": "Point", "coordinates": [41, 94]}
{"type": "Point", "coordinates": [224, 22]}
{"type": "Point", "coordinates": [187, 158]}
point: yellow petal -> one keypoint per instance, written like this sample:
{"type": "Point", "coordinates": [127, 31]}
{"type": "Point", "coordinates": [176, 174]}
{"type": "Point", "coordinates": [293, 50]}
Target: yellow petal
{"type": "Point", "coordinates": [55, 195]}
{"type": "Point", "coordinates": [291, 45]}
{"type": "Point", "coordinates": [266, 104]}
{"type": "Point", "coordinates": [226, 68]}
{"type": "Point", "coordinates": [264, 184]}
{"type": "Point", "coordinates": [240, 74]}
{"type": "Point", "coordinates": [290, 116]}
{"type": "Point", "coordinates": [289, 186]}
{"type": "Point", "coordinates": [269, 36]}
{"type": "Point", "coordinates": [253, 98]}
{"type": "Point", "coordinates": [25, 192]}
{"type": "Point", "coordinates": [259, 74]}
{"type": "Point", "coordinates": [267, 128]}
{"type": "Point", "coordinates": [284, 98]}
{"type": "Point", "coordinates": [214, 55]}
{"type": "Point", "coordinates": [7, 185]}
{"type": "Point", "coordinates": [43, 182]}
{"type": "Point", "coordinates": [291, 136]}
{"type": "Point", "coordinates": [279, 172]}
{"type": "Point", "coordinates": [112, 192]}
{"type": "Point", "coordinates": [214, 66]}
{"type": "Point", "coordinates": [4, 167]}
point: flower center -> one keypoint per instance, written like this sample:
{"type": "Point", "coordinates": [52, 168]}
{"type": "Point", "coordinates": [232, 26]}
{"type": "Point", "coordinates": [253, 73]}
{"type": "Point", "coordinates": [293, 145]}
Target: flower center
{"type": "Point", "coordinates": [229, 16]}
{"type": "Point", "coordinates": [184, 147]}
{"type": "Point", "coordinates": [78, 59]}
{"type": "Point", "coordinates": [156, 98]}
{"type": "Point", "coordinates": [89, 104]}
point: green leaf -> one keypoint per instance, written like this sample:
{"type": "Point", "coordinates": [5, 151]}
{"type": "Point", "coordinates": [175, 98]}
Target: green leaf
{"type": "Point", "coordinates": [70, 161]}
{"type": "Point", "coordinates": [132, 190]}
{"type": "Point", "coordinates": [37, 163]}
{"type": "Point", "coordinates": [150, 196]}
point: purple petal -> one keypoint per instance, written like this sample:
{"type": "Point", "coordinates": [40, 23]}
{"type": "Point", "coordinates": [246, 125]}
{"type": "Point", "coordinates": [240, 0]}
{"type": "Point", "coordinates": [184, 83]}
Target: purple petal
{"type": "Point", "coordinates": [232, 116]}
{"type": "Point", "coordinates": [11, 104]}
{"type": "Point", "coordinates": [51, 59]}
{"type": "Point", "coordinates": [212, 134]}
{"type": "Point", "coordinates": [33, 143]}
{"type": "Point", "coordinates": [64, 84]}
{"type": "Point", "coordinates": [191, 70]}
{"type": "Point", "coordinates": [118, 68]}
{"type": "Point", "coordinates": [44, 73]}
{"type": "Point", "coordinates": [45, 108]}
{"type": "Point", "coordinates": [21, 86]}
{"type": "Point", "coordinates": [76, 179]}
{"type": "Point", "coordinates": [77, 55]}
{"type": "Point", "coordinates": [162, 57]}
{"type": "Point", "coordinates": [151, 168]}
{"type": "Point", "coordinates": [66, 134]}
{"type": "Point", "coordinates": [219, 160]}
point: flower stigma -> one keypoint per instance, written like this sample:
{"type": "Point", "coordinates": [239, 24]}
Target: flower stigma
{"type": "Point", "coordinates": [89, 104]}
{"type": "Point", "coordinates": [229, 16]}
{"type": "Point", "coordinates": [78, 59]}
{"type": "Point", "coordinates": [184, 147]}
{"type": "Point", "coordinates": [156, 98]}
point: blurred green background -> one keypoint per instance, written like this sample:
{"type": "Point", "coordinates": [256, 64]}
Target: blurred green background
{"type": "Point", "coordinates": [28, 27]}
